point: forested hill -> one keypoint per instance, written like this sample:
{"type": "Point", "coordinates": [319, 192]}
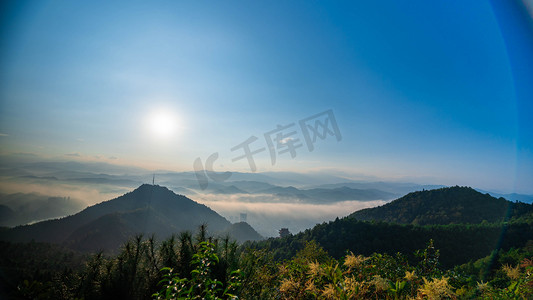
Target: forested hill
{"type": "Point", "coordinates": [149, 209]}
{"type": "Point", "coordinates": [458, 243]}
{"type": "Point", "coordinates": [425, 215]}
{"type": "Point", "coordinates": [452, 205]}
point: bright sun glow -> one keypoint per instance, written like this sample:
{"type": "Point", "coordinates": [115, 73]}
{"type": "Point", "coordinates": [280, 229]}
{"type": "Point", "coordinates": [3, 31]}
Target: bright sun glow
{"type": "Point", "coordinates": [162, 124]}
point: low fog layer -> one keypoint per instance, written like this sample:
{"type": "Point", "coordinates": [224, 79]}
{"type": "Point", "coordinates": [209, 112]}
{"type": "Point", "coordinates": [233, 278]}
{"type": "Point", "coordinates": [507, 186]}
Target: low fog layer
{"type": "Point", "coordinates": [268, 213]}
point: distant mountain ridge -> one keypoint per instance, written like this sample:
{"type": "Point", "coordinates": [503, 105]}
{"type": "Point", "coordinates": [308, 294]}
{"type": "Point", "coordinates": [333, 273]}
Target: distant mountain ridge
{"type": "Point", "coordinates": [451, 205]}
{"type": "Point", "coordinates": [149, 209]}
{"type": "Point", "coordinates": [24, 208]}
{"type": "Point", "coordinates": [510, 196]}
{"type": "Point", "coordinates": [396, 188]}
{"type": "Point", "coordinates": [324, 195]}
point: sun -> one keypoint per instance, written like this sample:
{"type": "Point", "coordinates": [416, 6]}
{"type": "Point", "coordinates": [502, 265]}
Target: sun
{"type": "Point", "coordinates": [162, 124]}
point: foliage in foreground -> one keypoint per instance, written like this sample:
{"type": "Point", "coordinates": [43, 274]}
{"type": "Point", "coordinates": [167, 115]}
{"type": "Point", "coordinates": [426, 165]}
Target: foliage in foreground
{"type": "Point", "coordinates": [199, 267]}
{"type": "Point", "coordinates": [201, 285]}
{"type": "Point", "coordinates": [391, 277]}
{"type": "Point", "coordinates": [312, 274]}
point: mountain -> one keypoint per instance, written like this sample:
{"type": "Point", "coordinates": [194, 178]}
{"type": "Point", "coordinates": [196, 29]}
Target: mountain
{"type": "Point", "coordinates": [251, 186]}
{"type": "Point", "coordinates": [451, 205]}
{"type": "Point", "coordinates": [346, 193]}
{"type": "Point", "coordinates": [518, 197]}
{"type": "Point", "coordinates": [457, 243]}
{"type": "Point", "coordinates": [6, 213]}
{"type": "Point", "coordinates": [287, 192]}
{"type": "Point", "coordinates": [23, 208]}
{"type": "Point", "coordinates": [449, 213]}
{"type": "Point", "coordinates": [397, 188]}
{"type": "Point", "coordinates": [243, 232]}
{"type": "Point", "coordinates": [149, 209]}
{"type": "Point", "coordinates": [229, 190]}
{"type": "Point", "coordinates": [511, 196]}
{"type": "Point", "coordinates": [328, 195]}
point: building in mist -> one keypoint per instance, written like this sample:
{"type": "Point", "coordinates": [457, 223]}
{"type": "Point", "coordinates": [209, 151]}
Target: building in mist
{"type": "Point", "coordinates": [283, 232]}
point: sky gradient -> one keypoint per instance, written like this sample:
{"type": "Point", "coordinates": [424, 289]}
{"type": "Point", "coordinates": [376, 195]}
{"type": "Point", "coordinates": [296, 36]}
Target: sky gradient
{"type": "Point", "coordinates": [429, 91]}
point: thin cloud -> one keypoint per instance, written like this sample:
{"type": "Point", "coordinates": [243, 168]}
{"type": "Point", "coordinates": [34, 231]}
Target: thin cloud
{"type": "Point", "coordinates": [75, 154]}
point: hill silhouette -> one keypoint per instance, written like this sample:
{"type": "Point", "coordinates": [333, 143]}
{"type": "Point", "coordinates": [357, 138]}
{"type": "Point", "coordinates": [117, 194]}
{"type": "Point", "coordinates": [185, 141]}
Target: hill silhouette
{"type": "Point", "coordinates": [149, 209]}
{"type": "Point", "coordinates": [453, 205]}
{"type": "Point", "coordinates": [465, 225]}
{"type": "Point", "coordinates": [243, 232]}
{"type": "Point", "coordinates": [24, 208]}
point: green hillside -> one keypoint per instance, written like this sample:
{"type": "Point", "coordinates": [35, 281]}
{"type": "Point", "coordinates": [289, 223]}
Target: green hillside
{"type": "Point", "coordinates": [453, 205]}
{"type": "Point", "coordinates": [464, 224]}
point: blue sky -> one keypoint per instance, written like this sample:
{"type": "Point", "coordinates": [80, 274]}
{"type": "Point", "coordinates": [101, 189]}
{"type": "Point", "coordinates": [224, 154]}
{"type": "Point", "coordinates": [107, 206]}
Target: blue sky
{"type": "Point", "coordinates": [431, 91]}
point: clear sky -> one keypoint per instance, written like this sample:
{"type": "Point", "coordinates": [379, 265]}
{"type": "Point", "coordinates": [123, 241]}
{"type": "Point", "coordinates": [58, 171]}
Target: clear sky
{"type": "Point", "coordinates": [432, 91]}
